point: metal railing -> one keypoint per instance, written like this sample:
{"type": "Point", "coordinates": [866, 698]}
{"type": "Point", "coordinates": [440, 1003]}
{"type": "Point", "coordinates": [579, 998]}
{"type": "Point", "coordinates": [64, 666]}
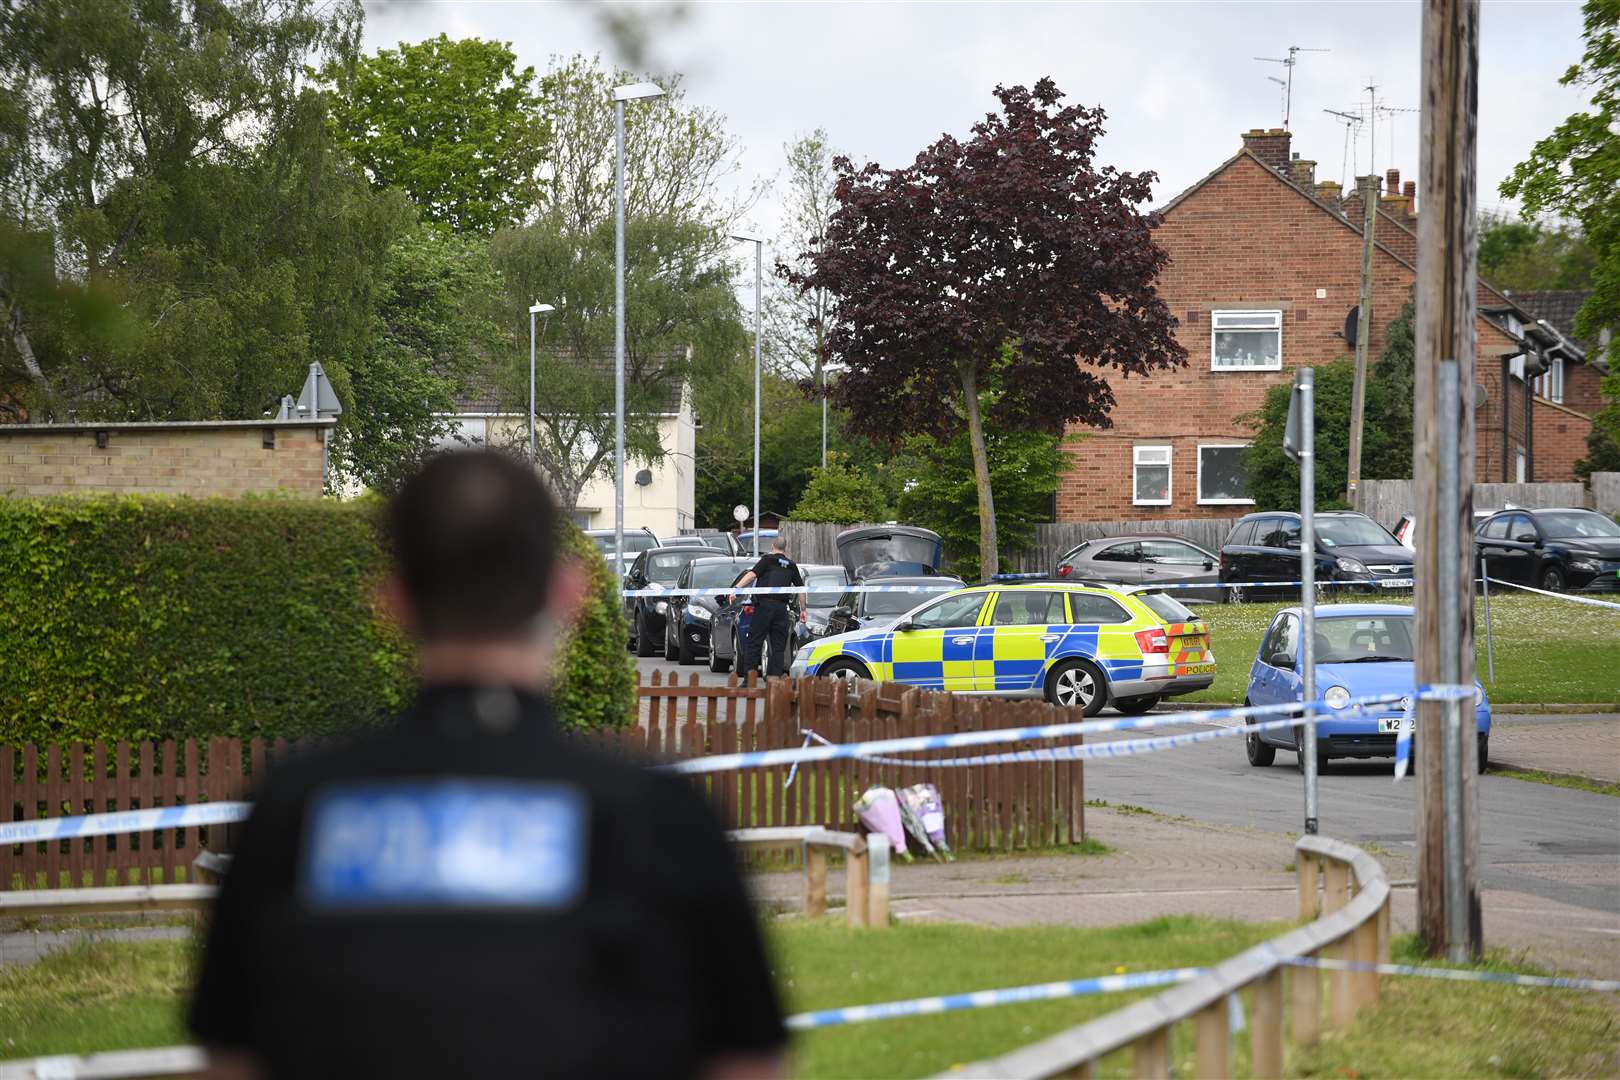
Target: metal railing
{"type": "Point", "coordinates": [1342, 886]}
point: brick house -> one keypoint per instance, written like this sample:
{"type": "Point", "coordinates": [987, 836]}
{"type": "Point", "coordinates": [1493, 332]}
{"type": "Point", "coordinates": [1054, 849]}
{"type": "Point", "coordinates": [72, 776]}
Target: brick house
{"type": "Point", "coordinates": [1265, 265]}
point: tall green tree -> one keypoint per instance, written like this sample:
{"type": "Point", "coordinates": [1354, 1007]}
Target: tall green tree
{"type": "Point", "coordinates": [840, 493]}
{"type": "Point", "coordinates": [453, 124]}
{"type": "Point", "coordinates": [1529, 256]}
{"type": "Point", "coordinates": [1013, 249]}
{"type": "Point", "coordinates": [181, 235]}
{"type": "Point", "coordinates": [1574, 173]}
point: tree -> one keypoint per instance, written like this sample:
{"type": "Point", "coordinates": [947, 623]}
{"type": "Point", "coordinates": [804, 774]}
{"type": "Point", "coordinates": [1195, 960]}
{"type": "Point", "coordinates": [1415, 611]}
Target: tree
{"type": "Point", "coordinates": [1011, 254]}
{"type": "Point", "coordinates": [1575, 173]}
{"type": "Point", "coordinates": [453, 124]}
{"type": "Point", "coordinates": [1273, 479]}
{"type": "Point", "coordinates": [797, 319]}
{"type": "Point", "coordinates": [842, 494]}
{"type": "Point", "coordinates": [941, 492]}
{"type": "Point", "coordinates": [789, 445]}
{"type": "Point", "coordinates": [1527, 256]}
{"type": "Point", "coordinates": [1602, 455]}
{"type": "Point", "coordinates": [181, 236]}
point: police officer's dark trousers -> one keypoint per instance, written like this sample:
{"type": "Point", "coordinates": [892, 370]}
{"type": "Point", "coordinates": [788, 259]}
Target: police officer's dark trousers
{"type": "Point", "coordinates": [771, 619]}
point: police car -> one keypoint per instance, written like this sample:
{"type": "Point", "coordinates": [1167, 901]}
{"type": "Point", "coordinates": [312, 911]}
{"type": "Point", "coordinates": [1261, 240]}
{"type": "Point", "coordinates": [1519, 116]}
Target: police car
{"type": "Point", "coordinates": [1080, 645]}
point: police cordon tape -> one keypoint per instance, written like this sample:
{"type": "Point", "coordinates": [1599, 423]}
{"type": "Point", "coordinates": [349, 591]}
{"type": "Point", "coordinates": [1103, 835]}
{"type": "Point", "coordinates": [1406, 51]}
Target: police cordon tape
{"type": "Point", "coordinates": [1551, 982]}
{"type": "Point", "coordinates": [983, 999]}
{"type": "Point", "coordinates": [758, 590]}
{"type": "Point", "coordinates": [1587, 600]}
{"type": "Point", "coordinates": [225, 813]}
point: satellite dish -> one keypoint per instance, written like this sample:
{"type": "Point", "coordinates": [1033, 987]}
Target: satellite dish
{"type": "Point", "coordinates": [644, 477]}
{"type": "Point", "coordinates": [1352, 324]}
{"type": "Point", "coordinates": [1479, 395]}
{"type": "Point", "coordinates": [740, 512]}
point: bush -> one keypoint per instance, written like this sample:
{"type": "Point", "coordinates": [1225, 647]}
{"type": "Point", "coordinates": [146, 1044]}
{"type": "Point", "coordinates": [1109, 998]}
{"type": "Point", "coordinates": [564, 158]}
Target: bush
{"type": "Point", "coordinates": [596, 686]}
{"type": "Point", "coordinates": [155, 617]}
{"type": "Point", "coordinates": [840, 493]}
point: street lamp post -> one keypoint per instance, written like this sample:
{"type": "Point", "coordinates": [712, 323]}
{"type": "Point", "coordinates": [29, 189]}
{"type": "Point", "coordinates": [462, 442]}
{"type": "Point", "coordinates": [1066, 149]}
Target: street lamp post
{"type": "Point", "coordinates": [759, 283]}
{"type": "Point", "coordinates": [621, 94]}
{"type": "Point", "coordinates": [534, 309]}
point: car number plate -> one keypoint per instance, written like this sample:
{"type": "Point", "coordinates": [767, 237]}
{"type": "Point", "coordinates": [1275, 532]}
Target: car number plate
{"type": "Point", "coordinates": [1198, 669]}
{"type": "Point", "coordinates": [1394, 725]}
{"type": "Point", "coordinates": [1396, 583]}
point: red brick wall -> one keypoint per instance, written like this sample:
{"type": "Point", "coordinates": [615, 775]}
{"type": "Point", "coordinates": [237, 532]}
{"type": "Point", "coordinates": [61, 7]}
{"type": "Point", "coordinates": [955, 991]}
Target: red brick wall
{"type": "Point", "coordinates": [1582, 389]}
{"type": "Point", "coordinates": [1245, 240]}
{"type": "Point", "coordinates": [1560, 442]}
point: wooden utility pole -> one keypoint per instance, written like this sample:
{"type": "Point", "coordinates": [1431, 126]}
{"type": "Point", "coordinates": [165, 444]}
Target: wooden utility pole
{"type": "Point", "coordinates": [1443, 463]}
{"type": "Point", "coordinates": [1367, 188]}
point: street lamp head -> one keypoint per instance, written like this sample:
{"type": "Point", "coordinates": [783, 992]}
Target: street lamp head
{"type": "Point", "coordinates": [540, 309]}
{"type": "Point", "coordinates": [747, 238]}
{"type": "Point", "coordinates": [637, 90]}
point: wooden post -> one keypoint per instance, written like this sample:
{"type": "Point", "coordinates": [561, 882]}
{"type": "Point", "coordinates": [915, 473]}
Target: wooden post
{"type": "Point", "coordinates": [877, 889]}
{"type": "Point", "coordinates": [857, 878]}
{"type": "Point", "coordinates": [1153, 1056]}
{"type": "Point", "coordinates": [1305, 983]}
{"type": "Point", "coordinates": [1214, 1028]}
{"type": "Point", "coordinates": [1385, 940]}
{"type": "Point", "coordinates": [1266, 1028]}
{"type": "Point", "coordinates": [1366, 952]}
{"type": "Point", "coordinates": [1305, 869]}
{"type": "Point", "coordinates": [815, 882]}
{"type": "Point", "coordinates": [1444, 333]}
{"type": "Point", "coordinates": [1342, 986]}
{"type": "Point", "coordinates": [1336, 892]}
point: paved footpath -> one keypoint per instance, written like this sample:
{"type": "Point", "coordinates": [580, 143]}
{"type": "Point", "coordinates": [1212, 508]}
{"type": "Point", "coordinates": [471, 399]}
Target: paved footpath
{"type": "Point", "coordinates": [1568, 745]}
{"type": "Point", "coordinates": [1172, 866]}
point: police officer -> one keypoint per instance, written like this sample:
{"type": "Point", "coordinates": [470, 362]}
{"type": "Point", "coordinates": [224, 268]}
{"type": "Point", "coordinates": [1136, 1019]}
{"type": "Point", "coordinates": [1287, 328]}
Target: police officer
{"type": "Point", "coordinates": [467, 892]}
{"type": "Point", "coordinates": [771, 618]}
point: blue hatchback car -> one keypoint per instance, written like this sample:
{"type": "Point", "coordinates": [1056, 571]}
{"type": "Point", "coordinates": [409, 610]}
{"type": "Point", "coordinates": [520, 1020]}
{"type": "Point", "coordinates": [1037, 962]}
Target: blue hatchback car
{"type": "Point", "coordinates": [1361, 650]}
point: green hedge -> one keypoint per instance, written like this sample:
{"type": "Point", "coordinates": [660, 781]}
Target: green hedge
{"type": "Point", "coordinates": [145, 617]}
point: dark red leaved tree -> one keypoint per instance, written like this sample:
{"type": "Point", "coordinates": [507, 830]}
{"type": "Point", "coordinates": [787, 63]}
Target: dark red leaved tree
{"type": "Point", "coordinates": [992, 281]}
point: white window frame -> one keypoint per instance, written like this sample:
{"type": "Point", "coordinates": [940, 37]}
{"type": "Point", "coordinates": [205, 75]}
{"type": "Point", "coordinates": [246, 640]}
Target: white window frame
{"type": "Point", "coordinates": [1252, 319]}
{"type": "Point", "coordinates": [1200, 488]}
{"type": "Point", "coordinates": [1550, 383]}
{"type": "Point", "coordinates": [1169, 464]}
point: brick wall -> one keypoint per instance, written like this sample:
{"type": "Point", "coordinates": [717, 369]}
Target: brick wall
{"type": "Point", "coordinates": [225, 458]}
{"type": "Point", "coordinates": [1560, 441]}
{"type": "Point", "coordinates": [1245, 240]}
{"type": "Point", "coordinates": [1582, 388]}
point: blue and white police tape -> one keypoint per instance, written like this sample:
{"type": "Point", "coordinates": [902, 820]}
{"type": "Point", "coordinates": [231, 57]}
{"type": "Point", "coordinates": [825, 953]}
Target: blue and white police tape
{"type": "Point", "coordinates": [1587, 600]}
{"type": "Point", "coordinates": [123, 821]}
{"type": "Point", "coordinates": [981, 999]}
{"type": "Point", "coordinates": [761, 759]}
{"type": "Point", "coordinates": [1551, 982]}
{"type": "Point", "coordinates": [776, 590]}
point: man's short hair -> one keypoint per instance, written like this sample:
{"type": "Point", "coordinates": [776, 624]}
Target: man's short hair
{"type": "Point", "coordinates": [779, 544]}
{"type": "Point", "coordinates": [474, 535]}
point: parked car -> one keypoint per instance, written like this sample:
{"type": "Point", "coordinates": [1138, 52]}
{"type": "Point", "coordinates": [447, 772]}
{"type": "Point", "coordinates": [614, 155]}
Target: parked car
{"type": "Point", "coordinates": [1557, 549]}
{"type": "Point", "coordinates": [732, 620]}
{"type": "Point", "coordinates": [635, 542]}
{"type": "Point", "coordinates": [658, 569]}
{"type": "Point", "coordinates": [684, 540]}
{"type": "Point", "coordinates": [745, 540]}
{"type": "Point", "coordinates": [689, 620]}
{"type": "Point", "coordinates": [1405, 529]}
{"type": "Point", "coordinates": [1361, 650]}
{"type": "Point", "coordinates": [1144, 559]}
{"type": "Point", "coordinates": [1076, 645]}
{"type": "Point", "coordinates": [876, 610]}
{"type": "Point", "coordinates": [1349, 547]}
{"type": "Point", "coordinates": [889, 551]}
{"type": "Point", "coordinates": [724, 542]}
{"type": "Point", "coordinates": [824, 583]}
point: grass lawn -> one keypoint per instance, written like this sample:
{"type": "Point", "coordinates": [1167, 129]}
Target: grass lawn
{"type": "Point", "coordinates": [1547, 650]}
{"type": "Point", "coordinates": [120, 995]}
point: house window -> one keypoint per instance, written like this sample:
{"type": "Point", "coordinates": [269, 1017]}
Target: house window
{"type": "Point", "coordinates": [1245, 340]}
{"type": "Point", "coordinates": [1222, 477]}
{"type": "Point", "coordinates": [1550, 384]}
{"type": "Point", "coordinates": [1150, 482]}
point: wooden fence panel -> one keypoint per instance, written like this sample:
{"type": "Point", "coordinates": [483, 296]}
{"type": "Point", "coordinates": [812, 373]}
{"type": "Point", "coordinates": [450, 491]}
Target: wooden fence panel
{"type": "Point", "coordinates": [1387, 501]}
{"type": "Point", "coordinates": [1606, 493]}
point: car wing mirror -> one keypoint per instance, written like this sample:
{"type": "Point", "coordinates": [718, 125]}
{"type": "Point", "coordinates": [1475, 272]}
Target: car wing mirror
{"type": "Point", "coordinates": [1525, 538]}
{"type": "Point", "coordinates": [1282, 660]}
{"type": "Point", "coordinates": [1209, 564]}
{"type": "Point", "coordinates": [903, 626]}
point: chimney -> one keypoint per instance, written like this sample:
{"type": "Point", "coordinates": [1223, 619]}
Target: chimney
{"type": "Point", "coordinates": [1410, 191]}
{"type": "Point", "coordinates": [1328, 191]}
{"type": "Point", "coordinates": [1393, 202]}
{"type": "Point", "coordinates": [1271, 147]}
{"type": "Point", "coordinates": [1302, 172]}
{"type": "Point", "coordinates": [1392, 178]}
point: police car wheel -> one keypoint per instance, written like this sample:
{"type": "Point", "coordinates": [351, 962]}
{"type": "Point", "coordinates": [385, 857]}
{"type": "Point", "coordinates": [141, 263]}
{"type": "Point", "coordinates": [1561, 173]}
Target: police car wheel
{"type": "Point", "coordinates": [846, 671]}
{"type": "Point", "coordinates": [1078, 684]}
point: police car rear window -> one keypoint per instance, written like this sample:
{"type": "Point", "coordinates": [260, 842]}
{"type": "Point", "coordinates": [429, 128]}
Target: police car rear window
{"type": "Point", "coordinates": [1166, 607]}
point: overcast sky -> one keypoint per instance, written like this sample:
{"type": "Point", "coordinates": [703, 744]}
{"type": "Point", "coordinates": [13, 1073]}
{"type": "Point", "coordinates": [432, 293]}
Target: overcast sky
{"type": "Point", "coordinates": [1178, 80]}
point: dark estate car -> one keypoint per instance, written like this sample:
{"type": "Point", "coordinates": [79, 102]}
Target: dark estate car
{"type": "Point", "coordinates": [1558, 549]}
{"type": "Point", "coordinates": [690, 620]}
{"type": "Point", "coordinates": [657, 569]}
{"type": "Point", "coordinates": [731, 621]}
{"type": "Point", "coordinates": [1349, 547]}
{"type": "Point", "coordinates": [1143, 559]}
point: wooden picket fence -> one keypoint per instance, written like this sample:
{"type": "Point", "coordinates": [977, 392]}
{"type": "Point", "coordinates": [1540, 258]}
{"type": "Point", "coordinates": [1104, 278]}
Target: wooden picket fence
{"type": "Point", "coordinates": [1002, 807]}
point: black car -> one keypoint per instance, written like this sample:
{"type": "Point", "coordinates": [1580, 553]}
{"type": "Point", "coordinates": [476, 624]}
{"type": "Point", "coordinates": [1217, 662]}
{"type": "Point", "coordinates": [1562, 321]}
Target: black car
{"type": "Point", "coordinates": [875, 610]}
{"type": "Point", "coordinates": [658, 569]}
{"type": "Point", "coordinates": [731, 620]}
{"type": "Point", "coordinates": [1349, 547]}
{"type": "Point", "coordinates": [1560, 549]}
{"type": "Point", "coordinates": [689, 620]}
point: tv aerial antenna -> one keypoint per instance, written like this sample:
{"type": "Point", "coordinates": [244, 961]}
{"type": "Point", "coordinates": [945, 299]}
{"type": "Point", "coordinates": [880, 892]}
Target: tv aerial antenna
{"type": "Point", "coordinates": [1283, 94]}
{"type": "Point", "coordinates": [1288, 88]}
{"type": "Point", "coordinates": [1352, 127]}
{"type": "Point", "coordinates": [1391, 111]}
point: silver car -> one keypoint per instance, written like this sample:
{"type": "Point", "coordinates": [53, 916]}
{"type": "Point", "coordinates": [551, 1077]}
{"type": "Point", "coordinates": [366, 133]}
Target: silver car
{"type": "Point", "coordinates": [1144, 559]}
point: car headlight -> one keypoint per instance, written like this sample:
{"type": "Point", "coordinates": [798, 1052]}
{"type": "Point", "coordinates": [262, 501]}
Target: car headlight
{"type": "Point", "coordinates": [661, 607]}
{"type": "Point", "coordinates": [1590, 566]}
{"type": "Point", "coordinates": [701, 613]}
{"type": "Point", "coordinates": [1337, 697]}
{"type": "Point", "coordinates": [1349, 565]}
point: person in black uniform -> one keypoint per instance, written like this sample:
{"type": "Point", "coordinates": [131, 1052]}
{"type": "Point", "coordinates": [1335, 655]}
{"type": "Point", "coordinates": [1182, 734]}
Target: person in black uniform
{"type": "Point", "coordinates": [771, 619]}
{"type": "Point", "coordinates": [468, 892]}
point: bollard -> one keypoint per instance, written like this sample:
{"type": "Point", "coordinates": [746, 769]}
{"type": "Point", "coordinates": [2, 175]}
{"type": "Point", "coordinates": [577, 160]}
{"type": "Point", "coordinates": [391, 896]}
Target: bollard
{"type": "Point", "coordinates": [1266, 1028]}
{"type": "Point", "coordinates": [877, 890]}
